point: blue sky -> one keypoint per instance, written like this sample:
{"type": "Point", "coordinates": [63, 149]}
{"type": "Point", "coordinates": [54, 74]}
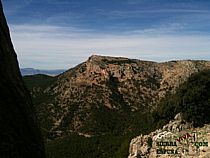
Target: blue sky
{"type": "Point", "coordinates": [50, 34]}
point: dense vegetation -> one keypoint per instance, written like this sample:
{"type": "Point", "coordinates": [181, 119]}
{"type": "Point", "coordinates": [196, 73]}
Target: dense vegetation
{"type": "Point", "coordinates": [74, 146]}
{"type": "Point", "coordinates": [192, 98]}
{"type": "Point", "coordinates": [36, 85]}
{"type": "Point", "coordinates": [40, 80]}
{"type": "Point", "coordinates": [107, 145]}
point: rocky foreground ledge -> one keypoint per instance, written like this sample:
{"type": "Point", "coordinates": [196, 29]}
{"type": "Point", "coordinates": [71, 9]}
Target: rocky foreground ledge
{"type": "Point", "coordinates": [177, 139]}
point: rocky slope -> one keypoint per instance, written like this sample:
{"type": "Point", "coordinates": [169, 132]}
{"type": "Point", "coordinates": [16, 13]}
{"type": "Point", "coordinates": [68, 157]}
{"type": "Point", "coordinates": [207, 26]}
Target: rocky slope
{"type": "Point", "coordinates": [108, 94]}
{"type": "Point", "coordinates": [176, 139]}
{"type": "Point", "coordinates": [19, 133]}
{"type": "Point", "coordinates": [180, 138]}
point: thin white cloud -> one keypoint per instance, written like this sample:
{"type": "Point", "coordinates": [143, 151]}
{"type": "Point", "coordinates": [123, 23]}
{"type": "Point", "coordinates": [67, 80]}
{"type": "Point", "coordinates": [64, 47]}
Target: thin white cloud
{"type": "Point", "coordinates": [142, 13]}
{"type": "Point", "coordinates": [52, 47]}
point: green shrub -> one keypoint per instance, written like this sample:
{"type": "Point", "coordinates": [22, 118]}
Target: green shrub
{"type": "Point", "coordinates": [192, 99]}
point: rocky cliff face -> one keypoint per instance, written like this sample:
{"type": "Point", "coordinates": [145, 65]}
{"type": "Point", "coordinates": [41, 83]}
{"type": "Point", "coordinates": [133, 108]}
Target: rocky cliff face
{"type": "Point", "coordinates": [19, 134]}
{"type": "Point", "coordinates": [108, 94]}
{"type": "Point", "coordinates": [176, 139]}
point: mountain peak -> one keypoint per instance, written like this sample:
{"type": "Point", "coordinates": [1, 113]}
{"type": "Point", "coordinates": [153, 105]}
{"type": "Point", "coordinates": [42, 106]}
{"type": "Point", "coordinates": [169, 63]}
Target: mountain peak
{"type": "Point", "coordinates": [94, 56]}
{"type": "Point", "coordinates": [105, 58]}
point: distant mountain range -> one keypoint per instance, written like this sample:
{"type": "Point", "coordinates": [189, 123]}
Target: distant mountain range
{"type": "Point", "coordinates": [32, 71]}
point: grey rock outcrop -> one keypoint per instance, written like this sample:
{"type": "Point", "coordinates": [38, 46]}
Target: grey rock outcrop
{"type": "Point", "coordinates": [177, 139]}
{"type": "Point", "coordinates": [19, 134]}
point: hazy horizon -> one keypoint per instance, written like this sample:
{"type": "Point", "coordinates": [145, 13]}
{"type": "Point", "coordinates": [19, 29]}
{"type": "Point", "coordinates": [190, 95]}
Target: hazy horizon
{"type": "Point", "coordinates": [59, 34]}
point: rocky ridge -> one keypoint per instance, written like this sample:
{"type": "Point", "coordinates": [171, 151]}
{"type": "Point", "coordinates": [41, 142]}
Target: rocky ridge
{"type": "Point", "coordinates": [119, 89]}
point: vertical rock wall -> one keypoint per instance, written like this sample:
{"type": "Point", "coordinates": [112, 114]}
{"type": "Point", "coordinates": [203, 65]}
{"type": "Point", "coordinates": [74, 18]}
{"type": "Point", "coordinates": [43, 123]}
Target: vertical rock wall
{"type": "Point", "coordinates": [19, 134]}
